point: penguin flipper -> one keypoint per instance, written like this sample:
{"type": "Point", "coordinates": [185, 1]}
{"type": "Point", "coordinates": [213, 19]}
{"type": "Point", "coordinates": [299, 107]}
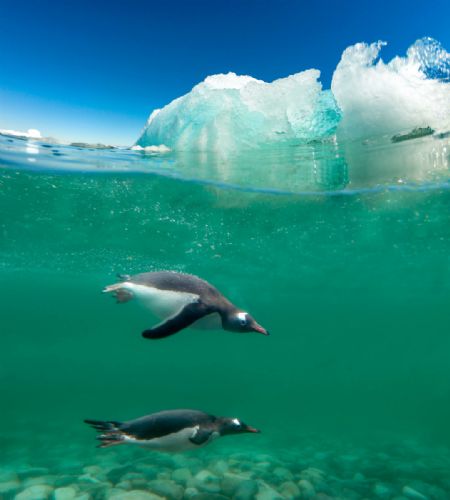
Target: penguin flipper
{"type": "Point", "coordinates": [188, 315]}
{"type": "Point", "coordinates": [202, 436]}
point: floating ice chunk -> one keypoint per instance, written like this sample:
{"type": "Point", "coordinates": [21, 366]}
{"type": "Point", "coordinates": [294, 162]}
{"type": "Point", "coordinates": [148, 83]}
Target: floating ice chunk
{"type": "Point", "coordinates": [378, 98]}
{"type": "Point", "coordinates": [162, 148]}
{"type": "Point", "coordinates": [227, 112]}
{"type": "Point", "coordinates": [32, 133]}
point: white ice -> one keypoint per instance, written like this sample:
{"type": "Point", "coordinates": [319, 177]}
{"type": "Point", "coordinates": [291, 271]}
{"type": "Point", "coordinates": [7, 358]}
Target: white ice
{"type": "Point", "coordinates": [32, 133]}
{"type": "Point", "coordinates": [379, 98]}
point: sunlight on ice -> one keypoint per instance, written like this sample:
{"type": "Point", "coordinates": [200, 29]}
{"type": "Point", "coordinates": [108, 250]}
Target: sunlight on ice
{"type": "Point", "coordinates": [368, 97]}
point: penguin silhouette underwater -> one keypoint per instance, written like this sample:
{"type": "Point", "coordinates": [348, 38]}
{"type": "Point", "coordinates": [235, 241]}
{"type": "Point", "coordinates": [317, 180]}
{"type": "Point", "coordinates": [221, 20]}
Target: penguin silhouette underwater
{"type": "Point", "coordinates": [169, 431]}
{"type": "Point", "coordinates": [182, 300]}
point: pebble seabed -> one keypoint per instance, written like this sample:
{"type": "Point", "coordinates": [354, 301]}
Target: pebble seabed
{"type": "Point", "coordinates": [331, 470]}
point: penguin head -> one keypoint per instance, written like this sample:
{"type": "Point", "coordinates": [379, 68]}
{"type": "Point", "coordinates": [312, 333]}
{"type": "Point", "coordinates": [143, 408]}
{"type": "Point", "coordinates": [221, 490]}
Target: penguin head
{"type": "Point", "coordinates": [234, 426]}
{"type": "Point", "coordinates": [241, 321]}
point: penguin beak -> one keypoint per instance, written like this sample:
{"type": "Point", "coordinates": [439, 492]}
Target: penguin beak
{"type": "Point", "coordinates": [252, 429]}
{"type": "Point", "coordinates": [258, 328]}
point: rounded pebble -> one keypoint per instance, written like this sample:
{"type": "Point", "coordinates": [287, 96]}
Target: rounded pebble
{"type": "Point", "coordinates": [36, 492]}
{"type": "Point", "coordinates": [67, 493]}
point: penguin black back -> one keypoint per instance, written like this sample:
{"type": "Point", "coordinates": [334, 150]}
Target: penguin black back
{"type": "Point", "coordinates": [165, 422]}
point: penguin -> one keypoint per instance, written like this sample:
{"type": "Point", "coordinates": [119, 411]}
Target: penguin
{"type": "Point", "coordinates": [182, 300]}
{"type": "Point", "coordinates": [169, 431]}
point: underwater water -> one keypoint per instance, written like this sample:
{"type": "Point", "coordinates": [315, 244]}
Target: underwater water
{"type": "Point", "coordinates": [323, 213]}
{"type": "Point", "coordinates": [340, 249]}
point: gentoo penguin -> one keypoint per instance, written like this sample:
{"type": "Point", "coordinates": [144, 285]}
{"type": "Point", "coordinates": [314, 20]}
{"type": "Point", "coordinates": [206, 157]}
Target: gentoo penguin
{"type": "Point", "coordinates": [172, 430]}
{"type": "Point", "coordinates": [181, 300]}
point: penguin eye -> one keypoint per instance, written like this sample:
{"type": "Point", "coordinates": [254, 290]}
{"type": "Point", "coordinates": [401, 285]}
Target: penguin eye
{"type": "Point", "coordinates": [242, 317]}
{"type": "Point", "coordinates": [236, 422]}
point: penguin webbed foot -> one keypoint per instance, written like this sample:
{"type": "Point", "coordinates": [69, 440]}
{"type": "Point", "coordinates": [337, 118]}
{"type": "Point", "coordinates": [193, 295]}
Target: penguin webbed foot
{"type": "Point", "coordinates": [121, 295]}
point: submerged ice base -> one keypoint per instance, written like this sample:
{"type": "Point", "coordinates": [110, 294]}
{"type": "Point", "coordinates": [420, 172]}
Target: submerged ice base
{"type": "Point", "coordinates": [227, 112]}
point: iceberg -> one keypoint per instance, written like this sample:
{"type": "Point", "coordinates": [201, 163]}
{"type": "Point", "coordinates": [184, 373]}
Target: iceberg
{"type": "Point", "coordinates": [227, 112]}
{"type": "Point", "coordinates": [368, 98]}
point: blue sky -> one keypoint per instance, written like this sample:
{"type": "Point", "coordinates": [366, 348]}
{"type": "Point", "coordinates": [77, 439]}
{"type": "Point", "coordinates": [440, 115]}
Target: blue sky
{"type": "Point", "coordinates": [94, 70]}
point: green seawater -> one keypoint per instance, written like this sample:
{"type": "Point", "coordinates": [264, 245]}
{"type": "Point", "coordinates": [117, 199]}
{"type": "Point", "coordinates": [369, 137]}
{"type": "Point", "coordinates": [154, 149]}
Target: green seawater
{"type": "Point", "coordinates": [354, 288]}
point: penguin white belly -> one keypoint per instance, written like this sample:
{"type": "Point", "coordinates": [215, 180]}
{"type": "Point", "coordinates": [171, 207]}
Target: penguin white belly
{"type": "Point", "coordinates": [162, 303]}
{"type": "Point", "coordinates": [175, 442]}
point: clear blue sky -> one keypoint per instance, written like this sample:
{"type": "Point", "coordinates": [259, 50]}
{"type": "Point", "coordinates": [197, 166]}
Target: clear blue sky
{"type": "Point", "coordinates": [93, 70]}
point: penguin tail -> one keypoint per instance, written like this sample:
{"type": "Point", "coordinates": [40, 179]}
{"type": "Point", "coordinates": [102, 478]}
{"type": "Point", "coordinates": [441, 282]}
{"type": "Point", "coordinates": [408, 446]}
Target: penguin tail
{"type": "Point", "coordinates": [111, 434]}
{"type": "Point", "coordinates": [119, 293]}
